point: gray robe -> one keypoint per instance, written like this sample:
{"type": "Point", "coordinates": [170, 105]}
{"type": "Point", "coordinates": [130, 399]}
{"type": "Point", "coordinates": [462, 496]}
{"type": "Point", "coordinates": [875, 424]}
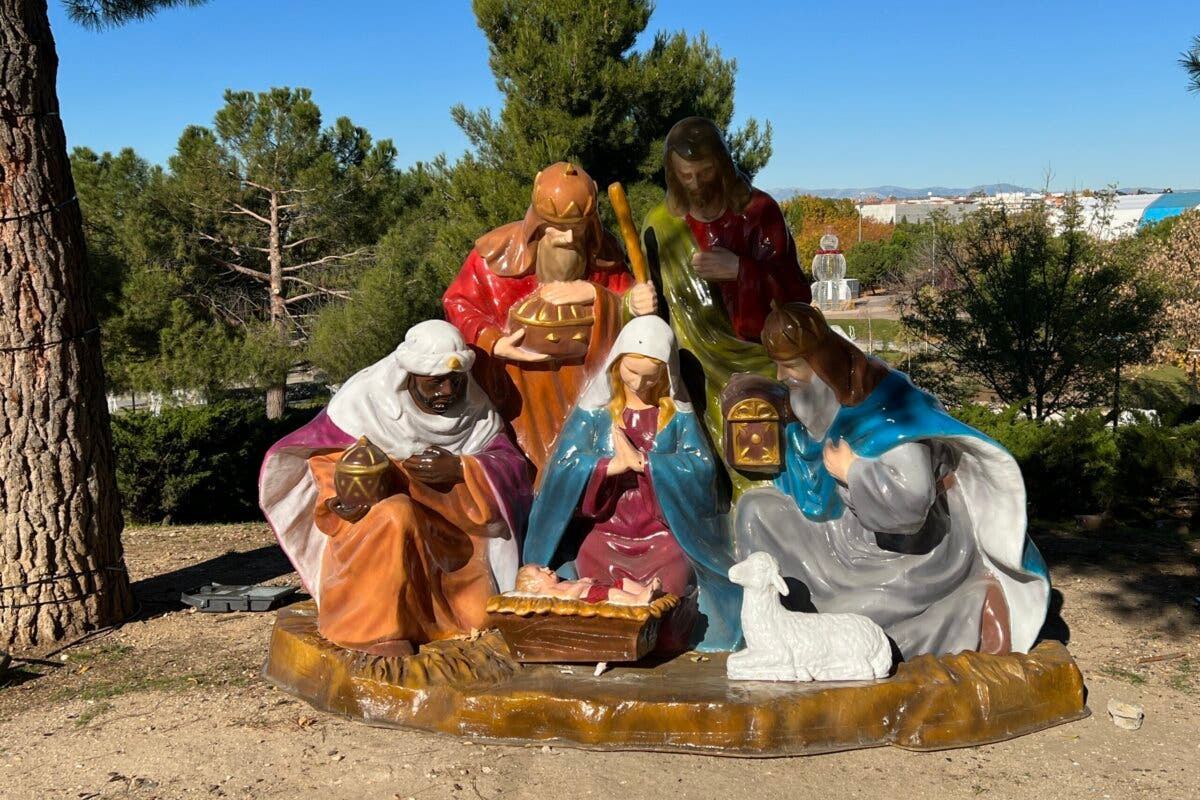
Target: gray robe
{"type": "Point", "coordinates": [902, 553]}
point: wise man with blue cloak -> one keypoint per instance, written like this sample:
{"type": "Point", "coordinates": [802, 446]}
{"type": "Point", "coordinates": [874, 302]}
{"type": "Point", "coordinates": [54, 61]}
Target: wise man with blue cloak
{"type": "Point", "coordinates": [889, 507]}
{"type": "Point", "coordinates": [630, 491]}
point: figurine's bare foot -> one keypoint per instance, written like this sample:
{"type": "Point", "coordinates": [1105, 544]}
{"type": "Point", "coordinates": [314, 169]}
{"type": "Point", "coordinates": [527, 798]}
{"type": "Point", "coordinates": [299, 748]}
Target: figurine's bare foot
{"type": "Point", "coordinates": [994, 629]}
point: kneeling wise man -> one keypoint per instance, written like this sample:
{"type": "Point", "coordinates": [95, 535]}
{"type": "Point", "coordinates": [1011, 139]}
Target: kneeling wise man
{"type": "Point", "coordinates": [420, 564]}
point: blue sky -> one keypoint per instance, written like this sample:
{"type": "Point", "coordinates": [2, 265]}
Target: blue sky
{"type": "Point", "coordinates": [866, 93]}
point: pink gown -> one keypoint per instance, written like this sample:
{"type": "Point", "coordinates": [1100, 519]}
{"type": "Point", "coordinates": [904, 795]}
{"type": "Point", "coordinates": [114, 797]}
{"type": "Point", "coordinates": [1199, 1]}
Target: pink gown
{"type": "Point", "coordinates": [628, 537]}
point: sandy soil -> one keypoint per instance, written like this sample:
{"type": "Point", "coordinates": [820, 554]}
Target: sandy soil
{"type": "Point", "coordinates": [171, 705]}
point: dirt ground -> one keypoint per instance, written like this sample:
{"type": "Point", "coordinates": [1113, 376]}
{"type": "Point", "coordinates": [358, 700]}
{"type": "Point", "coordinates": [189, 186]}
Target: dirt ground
{"type": "Point", "coordinates": [171, 705]}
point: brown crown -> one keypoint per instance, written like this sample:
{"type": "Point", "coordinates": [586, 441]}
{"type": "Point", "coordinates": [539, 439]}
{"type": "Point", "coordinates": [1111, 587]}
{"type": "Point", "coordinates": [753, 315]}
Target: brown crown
{"type": "Point", "coordinates": [563, 193]}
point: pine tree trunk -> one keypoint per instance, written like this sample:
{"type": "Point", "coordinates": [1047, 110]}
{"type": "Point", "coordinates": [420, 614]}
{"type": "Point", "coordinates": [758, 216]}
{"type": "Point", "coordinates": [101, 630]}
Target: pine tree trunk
{"type": "Point", "coordinates": [62, 570]}
{"type": "Point", "coordinates": [276, 395]}
{"type": "Point", "coordinates": [276, 401]}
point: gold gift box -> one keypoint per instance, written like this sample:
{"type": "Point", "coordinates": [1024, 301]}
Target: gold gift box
{"type": "Point", "coordinates": [562, 332]}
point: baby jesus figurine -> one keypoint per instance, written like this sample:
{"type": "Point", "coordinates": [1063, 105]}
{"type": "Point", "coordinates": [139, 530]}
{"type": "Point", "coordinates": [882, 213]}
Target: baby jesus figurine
{"type": "Point", "coordinates": [542, 581]}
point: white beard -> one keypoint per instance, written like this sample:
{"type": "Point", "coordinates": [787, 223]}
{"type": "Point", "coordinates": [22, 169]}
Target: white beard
{"type": "Point", "coordinates": [814, 404]}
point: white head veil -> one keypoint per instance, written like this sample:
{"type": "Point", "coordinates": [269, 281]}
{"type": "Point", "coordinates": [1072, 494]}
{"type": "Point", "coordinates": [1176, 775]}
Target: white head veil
{"type": "Point", "coordinates": [375, 401]}
{"type": "Point", "coordinates": [645, 336]}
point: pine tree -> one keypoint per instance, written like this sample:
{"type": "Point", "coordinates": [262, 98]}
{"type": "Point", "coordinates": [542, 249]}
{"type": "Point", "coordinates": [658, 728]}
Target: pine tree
{"type": "Point", "coordinates": [576, 89]}
{"type": "Point", "coordinates": [62, 569]}
{"type": "Point", "coordinates": [285, 211]}
{"type": "Point", "coordinates": [1190, 61]}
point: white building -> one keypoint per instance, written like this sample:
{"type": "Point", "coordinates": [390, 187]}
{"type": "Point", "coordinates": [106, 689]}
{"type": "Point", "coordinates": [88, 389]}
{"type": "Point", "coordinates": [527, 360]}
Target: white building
{"type": "Point", "coordinates": [1105, 216]}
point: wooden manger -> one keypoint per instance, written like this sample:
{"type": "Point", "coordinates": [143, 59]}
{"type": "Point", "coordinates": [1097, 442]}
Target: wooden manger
{"type": "Point", "coordinates": [549, 629]}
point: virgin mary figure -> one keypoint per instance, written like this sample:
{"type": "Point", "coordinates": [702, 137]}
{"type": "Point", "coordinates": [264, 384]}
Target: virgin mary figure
{"type": "Point", "coordinates": [630, 490]}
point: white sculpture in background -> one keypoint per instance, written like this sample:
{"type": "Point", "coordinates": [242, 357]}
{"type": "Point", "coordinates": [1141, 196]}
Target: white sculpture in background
{"type": "Point", "coordinates": [784, 645]}
{"type": "Point", "coordinates": [831, 290]}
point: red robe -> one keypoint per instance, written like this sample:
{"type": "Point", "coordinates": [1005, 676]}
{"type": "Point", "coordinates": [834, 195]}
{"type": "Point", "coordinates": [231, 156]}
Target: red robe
{"type": "Point", "coordinates": [534, 398]}
{"type": "Point", "coordinates": [768, 268]}
{"type": "Point", "coordinates": [626, 535]}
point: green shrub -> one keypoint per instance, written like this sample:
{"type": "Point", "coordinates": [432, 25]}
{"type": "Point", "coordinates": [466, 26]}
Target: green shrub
{"type": "Point", "coordinates": [195, 463]}
{"type": "Point", "coordinates": [1080, 466]}
{"type": "Point", "coordinates": [1068, 468]}
{"type": "Point", "coordinates": [1155, 463]}
{"type": "Point", "coordinates": [200, 463]}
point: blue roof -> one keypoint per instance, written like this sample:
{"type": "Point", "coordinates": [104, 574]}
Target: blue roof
{"type": "Point", "coordinates": [1169, 205]}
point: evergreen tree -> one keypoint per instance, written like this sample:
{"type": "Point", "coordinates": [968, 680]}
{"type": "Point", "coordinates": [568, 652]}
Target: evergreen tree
{"type": "Point", "coordinates": [575, 89]}
{"type": "Point", "coordinates": [285, 213]}
{"type": "Point", "coordinates": [1037, 309]}
{"type": "Point", "coordinates": [118, 219]}
{"type": "Point", "coordinates": [140, 282]}
{"type": "Point", "coordinates": [400, 290]}
{"type": "Point", "coordinates": [1190, 61]}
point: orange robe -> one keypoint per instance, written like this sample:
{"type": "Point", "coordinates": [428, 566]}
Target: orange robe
{"type": "Point", "coordinates": [414, 569]}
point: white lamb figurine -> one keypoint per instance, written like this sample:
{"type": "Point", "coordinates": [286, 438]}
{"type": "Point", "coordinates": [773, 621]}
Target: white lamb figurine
{"type": "Point", "coordinates": [784, 645]}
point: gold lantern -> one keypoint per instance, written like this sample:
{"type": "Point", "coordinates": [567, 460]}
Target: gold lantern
{"type": "Point", "coordinates": [755, 411]}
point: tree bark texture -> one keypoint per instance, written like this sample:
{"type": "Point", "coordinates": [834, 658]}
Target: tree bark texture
{"type": "Point", "coordinates": [62, 569]}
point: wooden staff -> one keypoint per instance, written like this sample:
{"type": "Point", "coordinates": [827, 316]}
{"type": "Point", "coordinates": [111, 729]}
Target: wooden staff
{"type": "Point", "coordinates": [637, 259]}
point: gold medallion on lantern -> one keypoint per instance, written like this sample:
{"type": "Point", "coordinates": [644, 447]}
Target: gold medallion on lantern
{"type": "Point", "coordinates": [755, 412]}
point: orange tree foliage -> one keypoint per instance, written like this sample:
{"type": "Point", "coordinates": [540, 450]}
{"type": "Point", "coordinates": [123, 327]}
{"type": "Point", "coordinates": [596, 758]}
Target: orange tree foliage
{"type": "Point", "coordinates": [809, 218]}
{"type": "Point", "coordinates": [1176, 262]}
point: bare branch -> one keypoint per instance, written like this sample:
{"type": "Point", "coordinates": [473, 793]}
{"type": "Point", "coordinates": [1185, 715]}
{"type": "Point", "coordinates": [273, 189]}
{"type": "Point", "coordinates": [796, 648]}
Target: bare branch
{"type": "Point", "coordinates": [316, 289]}
{"type": "Point", "coordinates": [254, 185]}
{"type": "Point", "coordinates": [247, 212]}
{"type": "Point", "coordinates": [238, 268]}
{"type": "Point", "coordinates": [310, 295]}
{"type": "Point", "coordinates": [299, 242]}
{"type": "Point", "coordinates": [328, 260]}
{"type": "Point", "coordinates": [232, 247]}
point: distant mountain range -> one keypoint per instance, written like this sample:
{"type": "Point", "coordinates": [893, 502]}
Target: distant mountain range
{"type": "Point", "coordinates": [900, 192]}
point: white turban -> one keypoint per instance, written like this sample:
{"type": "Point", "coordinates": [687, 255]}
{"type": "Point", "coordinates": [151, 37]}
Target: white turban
{"type": "Point", "coordinates": [375, 401]}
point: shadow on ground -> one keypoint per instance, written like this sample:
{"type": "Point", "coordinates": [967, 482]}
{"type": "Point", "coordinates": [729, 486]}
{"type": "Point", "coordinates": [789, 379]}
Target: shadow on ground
{"type": "Point", "coordinates": [159, 594]}
{"type": "Point", "coordinates": [1055, 627]}
{"type": "Point", "coordinates": [1155, 572]}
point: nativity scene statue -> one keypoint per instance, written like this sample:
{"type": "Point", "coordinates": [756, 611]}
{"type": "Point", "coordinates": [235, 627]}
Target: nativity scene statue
{"type": "Point", "coordinates": [542, 300]}
{"type": "Point", "coordinates": [527, 487]}
{"type": "Point", "coordinates": [629, 492]}
{"type": "Point", "coordinates": [722, 253]}
{"type": "Point", "coordinates": [421, 563]}
{"type": "Point", "coordinates": [889, 507]}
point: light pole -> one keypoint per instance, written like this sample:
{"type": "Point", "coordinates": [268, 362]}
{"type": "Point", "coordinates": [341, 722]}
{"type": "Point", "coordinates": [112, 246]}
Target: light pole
{"type": "Point", "coordinates": [860, 205]}
{"type": "Point", "coordinates": [1118, 340]}
{"type": "Point", "coordinates": [1193, 359]}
